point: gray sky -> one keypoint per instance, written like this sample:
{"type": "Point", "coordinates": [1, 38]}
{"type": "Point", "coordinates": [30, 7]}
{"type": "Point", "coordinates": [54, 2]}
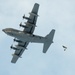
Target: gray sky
{"type": "Point", "coordinates": [53, 14]}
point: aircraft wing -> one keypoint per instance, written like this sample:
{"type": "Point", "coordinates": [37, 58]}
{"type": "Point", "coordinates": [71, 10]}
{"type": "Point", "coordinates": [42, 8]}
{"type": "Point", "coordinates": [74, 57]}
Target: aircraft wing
{"type": "Point", "coordinates": [20, 48]}
{"type": "Point", "coordinates": [29, 28]}
{"type": "Point", "coordinates": [31, 23]}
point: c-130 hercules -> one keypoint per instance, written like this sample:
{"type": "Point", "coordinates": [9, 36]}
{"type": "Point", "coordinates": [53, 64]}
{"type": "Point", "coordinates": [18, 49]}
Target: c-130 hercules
{"type": "Point", "coordinates": [24, 37]}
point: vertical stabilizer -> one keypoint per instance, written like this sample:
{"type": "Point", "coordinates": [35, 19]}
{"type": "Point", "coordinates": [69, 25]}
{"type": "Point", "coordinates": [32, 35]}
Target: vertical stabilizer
{"type": "Point", "coordinates": [48, 41]}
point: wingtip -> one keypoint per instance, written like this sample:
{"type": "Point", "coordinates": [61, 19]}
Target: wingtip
{"type": "Point", "coordinates": [53, 29]}
{"type": "Point", "coordinates": [36, 4]}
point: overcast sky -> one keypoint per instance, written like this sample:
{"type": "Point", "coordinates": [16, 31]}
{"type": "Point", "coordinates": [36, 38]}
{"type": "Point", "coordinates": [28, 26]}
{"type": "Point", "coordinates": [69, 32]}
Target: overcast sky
{"type": "Point", "coordinates": [53, 14]}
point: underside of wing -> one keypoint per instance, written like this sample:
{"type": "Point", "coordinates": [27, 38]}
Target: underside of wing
{"type": "Point", "coordinates": [31, 23]}
{"type": "Point", "coordinates": [15, 58]}
{"type": "Point", "coordinates": [19, 51]}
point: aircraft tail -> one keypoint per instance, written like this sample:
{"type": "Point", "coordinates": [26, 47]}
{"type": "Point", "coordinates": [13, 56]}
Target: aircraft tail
{"type": "Point", "coordinates": [48, 41]}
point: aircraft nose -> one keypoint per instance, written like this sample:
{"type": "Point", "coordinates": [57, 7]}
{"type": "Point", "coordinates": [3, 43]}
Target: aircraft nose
{"type": "Point", "coordinates": [3, 30]}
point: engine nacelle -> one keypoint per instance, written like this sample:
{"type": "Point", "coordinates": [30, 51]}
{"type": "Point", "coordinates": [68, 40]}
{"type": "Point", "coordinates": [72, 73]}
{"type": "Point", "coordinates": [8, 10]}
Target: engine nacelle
{"type": "Point", "coordinates": [17, 40]}
{"type": "Point", "coordinates": [13, 48]}
{"type": "Point", "coordinates": [26, 18]}
{"type": "Point", "coordinates": [23, 25]}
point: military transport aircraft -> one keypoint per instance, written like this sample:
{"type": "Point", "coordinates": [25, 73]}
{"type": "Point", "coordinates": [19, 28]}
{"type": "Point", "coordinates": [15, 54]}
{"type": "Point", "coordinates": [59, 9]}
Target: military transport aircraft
{"type": "Point", "coordinates": [24, 37]}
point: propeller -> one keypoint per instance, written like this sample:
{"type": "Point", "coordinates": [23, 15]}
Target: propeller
{"type": "Point", "coordinates": [20, 24]}
{"type": "Point", "coordinates": [11, 46]}
{"type": "Point", "coordinates": [24, 16]}
{"type": "Point", "coordinates": [14, 40]}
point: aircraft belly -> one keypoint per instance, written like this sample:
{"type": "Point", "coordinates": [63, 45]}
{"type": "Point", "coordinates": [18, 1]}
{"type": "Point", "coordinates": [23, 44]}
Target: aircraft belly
{"type": "Point", "coordinates": [30, 38]}
{"type": "Point", "coordinates": [36, 39]}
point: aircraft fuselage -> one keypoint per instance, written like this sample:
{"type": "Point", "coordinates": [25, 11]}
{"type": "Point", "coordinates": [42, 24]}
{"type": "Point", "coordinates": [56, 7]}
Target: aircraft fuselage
{"type": "Point", "coordinates": [25, 37]}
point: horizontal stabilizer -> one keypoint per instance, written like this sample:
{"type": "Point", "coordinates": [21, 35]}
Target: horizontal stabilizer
{"type": "Point", "coordinates": [48, 41]}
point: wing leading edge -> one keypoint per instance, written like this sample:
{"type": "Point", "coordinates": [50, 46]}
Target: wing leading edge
{"type": "Point", "coordinates": [31, 23]}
